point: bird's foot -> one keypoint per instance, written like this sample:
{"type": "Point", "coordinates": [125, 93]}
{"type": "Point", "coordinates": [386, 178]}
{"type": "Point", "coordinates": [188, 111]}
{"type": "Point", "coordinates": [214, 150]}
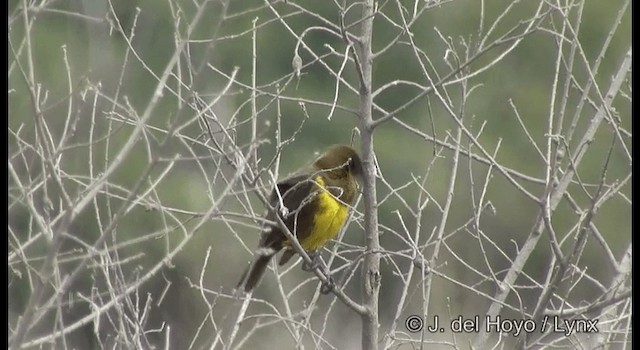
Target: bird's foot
{"type": "Point", "coordinates": [327, 286]}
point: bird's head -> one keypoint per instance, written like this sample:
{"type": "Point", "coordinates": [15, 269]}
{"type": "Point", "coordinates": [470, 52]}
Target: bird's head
{"type": "Point", "coordinates": [339, 158]}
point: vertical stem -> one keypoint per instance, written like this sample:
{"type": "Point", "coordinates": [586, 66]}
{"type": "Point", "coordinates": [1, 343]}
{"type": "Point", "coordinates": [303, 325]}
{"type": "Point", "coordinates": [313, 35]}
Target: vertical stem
{"type": "Point", "coordinates": [253, 159]}
{"type": "Point", "coordinates": [371, 266]}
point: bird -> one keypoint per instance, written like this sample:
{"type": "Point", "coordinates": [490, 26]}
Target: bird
{"type": "Point", "coordinates": [313, 203]}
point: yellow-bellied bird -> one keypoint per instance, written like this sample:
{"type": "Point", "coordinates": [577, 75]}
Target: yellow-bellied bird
{"type": "Point", "coordinates": [316, 203]}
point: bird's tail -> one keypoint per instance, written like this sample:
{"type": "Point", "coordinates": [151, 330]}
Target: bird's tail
{"type": "Point", "coordinates": [254, 272]}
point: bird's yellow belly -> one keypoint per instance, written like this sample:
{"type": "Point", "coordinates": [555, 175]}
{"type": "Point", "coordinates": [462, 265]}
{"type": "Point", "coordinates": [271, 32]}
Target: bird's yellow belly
{"type": "Point", "coordinates": [329, 218]}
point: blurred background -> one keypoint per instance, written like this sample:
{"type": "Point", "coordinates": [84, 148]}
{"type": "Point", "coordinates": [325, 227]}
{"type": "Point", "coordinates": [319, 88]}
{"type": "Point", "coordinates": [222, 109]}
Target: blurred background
{"type": "Point", "coordinates": [163, 224]}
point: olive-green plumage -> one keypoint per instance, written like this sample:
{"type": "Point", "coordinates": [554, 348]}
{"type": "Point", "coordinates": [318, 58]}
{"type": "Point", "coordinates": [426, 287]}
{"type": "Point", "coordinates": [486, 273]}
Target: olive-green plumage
{"type": "Point", "coordinates": [317, 200]}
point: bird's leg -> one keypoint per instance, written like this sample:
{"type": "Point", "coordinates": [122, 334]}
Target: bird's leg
{"type": "Point", "coordinates": [315, 261]}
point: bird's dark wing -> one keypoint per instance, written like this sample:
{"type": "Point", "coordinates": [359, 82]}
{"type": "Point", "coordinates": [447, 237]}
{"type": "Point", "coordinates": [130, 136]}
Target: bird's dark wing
{"type": "Point", "coordinates": [296, 193]}
{"type": "Point", "coordinates": [293, 190]}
